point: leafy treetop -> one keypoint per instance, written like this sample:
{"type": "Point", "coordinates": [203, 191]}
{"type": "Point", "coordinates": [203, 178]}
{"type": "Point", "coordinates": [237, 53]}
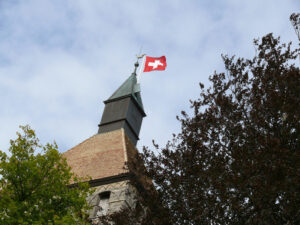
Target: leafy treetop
{"type": "Point", "coordinates": [34, 183]}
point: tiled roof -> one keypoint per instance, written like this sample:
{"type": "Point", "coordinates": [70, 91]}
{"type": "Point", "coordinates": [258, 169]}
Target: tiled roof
{"type": "Point", "coordinates": [102, 155]}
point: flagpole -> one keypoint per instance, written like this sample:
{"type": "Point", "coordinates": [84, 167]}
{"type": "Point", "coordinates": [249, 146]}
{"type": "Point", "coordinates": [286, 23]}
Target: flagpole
{"type": "Point", "coordinates": [138, 77]}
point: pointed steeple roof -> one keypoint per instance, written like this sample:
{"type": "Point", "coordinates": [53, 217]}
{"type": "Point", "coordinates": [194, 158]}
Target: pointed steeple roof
{"type": "Point", "coordinates": [129, 87]}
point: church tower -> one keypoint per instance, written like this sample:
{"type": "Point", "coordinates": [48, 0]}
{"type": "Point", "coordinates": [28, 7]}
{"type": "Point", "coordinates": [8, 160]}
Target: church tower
{"type": "Point", "coordinates": [103, 157]}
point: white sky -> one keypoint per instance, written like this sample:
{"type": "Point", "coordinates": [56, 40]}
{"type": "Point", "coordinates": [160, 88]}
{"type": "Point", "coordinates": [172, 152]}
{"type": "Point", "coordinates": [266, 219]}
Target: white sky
{"type": "Point", "coordinates": [59, 60]}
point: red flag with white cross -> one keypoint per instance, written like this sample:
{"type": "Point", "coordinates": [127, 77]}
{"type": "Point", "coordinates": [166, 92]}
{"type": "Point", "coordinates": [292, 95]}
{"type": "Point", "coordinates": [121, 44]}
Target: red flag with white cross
{"type": "Point", "coordinates": [155, 63]}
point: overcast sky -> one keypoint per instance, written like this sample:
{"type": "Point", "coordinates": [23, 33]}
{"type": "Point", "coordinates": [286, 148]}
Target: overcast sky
{"type": "Point", "coordinates": [60, 59]}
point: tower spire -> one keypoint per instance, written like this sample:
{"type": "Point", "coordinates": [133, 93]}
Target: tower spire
{"type": "Point", "coordinates": [124, 109]}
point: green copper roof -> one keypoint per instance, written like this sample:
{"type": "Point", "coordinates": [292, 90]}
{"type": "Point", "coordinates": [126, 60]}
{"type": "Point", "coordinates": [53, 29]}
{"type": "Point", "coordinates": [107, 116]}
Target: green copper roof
{"type": "Point", "coordinates": [129, 87]}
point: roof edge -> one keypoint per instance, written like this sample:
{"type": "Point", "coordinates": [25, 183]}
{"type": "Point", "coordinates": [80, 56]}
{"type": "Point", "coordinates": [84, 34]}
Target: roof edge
{"type": "Point", "coordinates": [106, 180]}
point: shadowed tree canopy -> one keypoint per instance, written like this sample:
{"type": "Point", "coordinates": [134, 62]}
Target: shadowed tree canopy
{"type": "Point", "coordinates": [236, 159]}
{"type": "Point", "coordinates": [34, 183]}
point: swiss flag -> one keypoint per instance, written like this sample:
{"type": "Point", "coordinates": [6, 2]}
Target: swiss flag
{"type": "Point", "coordinates": [155, 63]}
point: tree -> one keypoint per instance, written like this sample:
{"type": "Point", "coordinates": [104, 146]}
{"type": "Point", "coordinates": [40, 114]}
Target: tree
{"type": "Point", "coordinates": [236, 159]}
{"type": "Point", "coordinates": [34, 183]}
{"type": "Point", "coordinates": [295, 20]}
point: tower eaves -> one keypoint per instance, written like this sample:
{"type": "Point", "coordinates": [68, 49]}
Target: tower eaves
{"type": "Point", "coordinates": [129, 87]}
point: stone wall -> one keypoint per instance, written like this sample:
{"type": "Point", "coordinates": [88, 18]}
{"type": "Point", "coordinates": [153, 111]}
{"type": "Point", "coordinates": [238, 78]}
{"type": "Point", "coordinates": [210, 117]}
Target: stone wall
{"type": "Point", "coordinates": [122, 194]}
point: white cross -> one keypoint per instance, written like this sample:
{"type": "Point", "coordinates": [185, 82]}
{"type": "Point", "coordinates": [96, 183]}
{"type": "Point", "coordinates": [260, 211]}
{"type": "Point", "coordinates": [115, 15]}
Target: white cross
{"type": "Point", "coordinates": [155, 64]}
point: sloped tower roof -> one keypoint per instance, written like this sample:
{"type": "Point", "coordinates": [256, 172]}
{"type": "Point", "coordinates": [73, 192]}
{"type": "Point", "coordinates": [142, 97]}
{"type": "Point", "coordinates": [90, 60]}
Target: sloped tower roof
{"type": "Point", "coordinates": [102, 157]}
{"type": "Point", "coordinates": [129, 88]}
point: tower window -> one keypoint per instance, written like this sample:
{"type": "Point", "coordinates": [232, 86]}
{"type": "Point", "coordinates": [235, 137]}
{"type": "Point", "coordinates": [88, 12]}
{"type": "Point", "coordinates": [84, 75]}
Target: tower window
{"type": "Point", "coordinates": [103, 203]}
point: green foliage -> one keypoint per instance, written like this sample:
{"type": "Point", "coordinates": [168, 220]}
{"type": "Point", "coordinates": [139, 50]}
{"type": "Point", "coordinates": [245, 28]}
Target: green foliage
{"type": "Point", "coordinates": [34, 183]}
